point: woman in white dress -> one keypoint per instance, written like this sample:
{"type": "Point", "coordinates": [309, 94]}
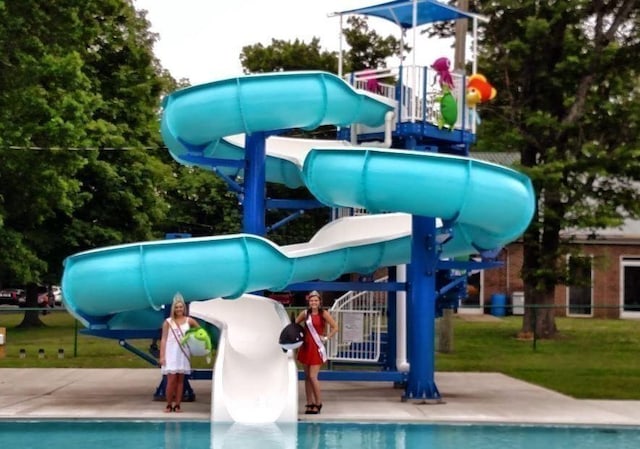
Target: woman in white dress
{"type": "Point", "coordinates": [174, 357]}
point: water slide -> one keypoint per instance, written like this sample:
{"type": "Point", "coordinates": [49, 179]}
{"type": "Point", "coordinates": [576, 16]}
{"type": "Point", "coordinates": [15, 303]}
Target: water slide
{"type": "Point", "coordinates": [483, 206]}
{"type": "Point", "coordinates": [252, 383]}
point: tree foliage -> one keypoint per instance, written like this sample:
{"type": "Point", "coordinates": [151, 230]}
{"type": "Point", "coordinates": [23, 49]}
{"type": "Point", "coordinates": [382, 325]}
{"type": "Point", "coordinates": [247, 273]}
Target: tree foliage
{"type": "Point", "coordinates": [567, 74]}
{"type": "Point", "coordinates": [367, 49]}
{"type": "Point", "coordinates": [75, 74]}
{"type": "Point", "coordinates": [287, 56]}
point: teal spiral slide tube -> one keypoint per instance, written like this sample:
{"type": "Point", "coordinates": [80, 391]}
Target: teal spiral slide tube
{"type": "Point", "coordinates": [485, 205]}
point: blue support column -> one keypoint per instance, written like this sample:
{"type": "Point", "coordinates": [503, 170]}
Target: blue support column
{"type": "Point", "coordinates": [421, 311]}
{"type": "Point", "coordinates": [253, 220]}
{"type": "Point", "coordinates": [392, 311]}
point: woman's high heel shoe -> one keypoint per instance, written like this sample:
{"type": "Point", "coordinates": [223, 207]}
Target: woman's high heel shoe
{"type": "Point", "coordinates": [318, 408]}
{"type": "Point", "coordinates": [309, 409]}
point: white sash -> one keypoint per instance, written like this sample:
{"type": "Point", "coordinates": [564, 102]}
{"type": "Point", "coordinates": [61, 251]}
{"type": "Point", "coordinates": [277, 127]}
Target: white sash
{"type": "Point", "coordinates": [314, 334]}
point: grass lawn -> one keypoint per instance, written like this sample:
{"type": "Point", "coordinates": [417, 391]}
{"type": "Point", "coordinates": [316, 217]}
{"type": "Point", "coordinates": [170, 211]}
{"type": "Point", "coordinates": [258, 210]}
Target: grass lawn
{"type": "Point", "coordinates": [590, 359]}
{"type": "Point", "coordinates": [80, 351]}
{"type": "Point", "coordinates": [596, 359]}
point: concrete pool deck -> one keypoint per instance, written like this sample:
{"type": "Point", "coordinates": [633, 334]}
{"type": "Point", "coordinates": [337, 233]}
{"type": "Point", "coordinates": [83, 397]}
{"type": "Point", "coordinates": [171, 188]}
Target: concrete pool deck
{"type": "Point", "coordinates": [65, 393]}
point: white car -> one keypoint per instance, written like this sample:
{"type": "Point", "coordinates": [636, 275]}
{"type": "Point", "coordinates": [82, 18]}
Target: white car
{"type": "Point", "coordinates": [57, 294]}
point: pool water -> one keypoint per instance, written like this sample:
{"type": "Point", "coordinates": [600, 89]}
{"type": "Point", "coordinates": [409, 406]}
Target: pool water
{"type": "Point", "coordinates": [201, 435]}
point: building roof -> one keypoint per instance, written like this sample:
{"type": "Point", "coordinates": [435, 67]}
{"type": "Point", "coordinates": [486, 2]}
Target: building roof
{"type": "Point", "coordinates": [508, 159]}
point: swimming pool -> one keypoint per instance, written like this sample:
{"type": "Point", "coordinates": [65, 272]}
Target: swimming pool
{"type": "Point", "coordinates": [201, 435]}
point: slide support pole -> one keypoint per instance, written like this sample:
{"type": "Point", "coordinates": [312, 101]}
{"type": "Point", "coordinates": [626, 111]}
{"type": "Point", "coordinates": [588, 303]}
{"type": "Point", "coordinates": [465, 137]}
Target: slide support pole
{"type": "Point", "coordinates": [253, 219]}
{"type": "Point", "coordinates": [421, 311]}
{"type": "Point", "coordinates": [392, 330]}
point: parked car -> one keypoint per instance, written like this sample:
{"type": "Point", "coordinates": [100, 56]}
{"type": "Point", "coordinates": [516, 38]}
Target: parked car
{"type": "Point", "coordinates": [13, 297]}
{"type": "Point", "coordinates": [57, 294]}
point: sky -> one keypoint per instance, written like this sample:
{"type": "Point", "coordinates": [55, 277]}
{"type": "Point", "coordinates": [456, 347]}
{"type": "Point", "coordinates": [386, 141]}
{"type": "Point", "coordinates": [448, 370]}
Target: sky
{"type": "Point", "coordinates": [202, 39]}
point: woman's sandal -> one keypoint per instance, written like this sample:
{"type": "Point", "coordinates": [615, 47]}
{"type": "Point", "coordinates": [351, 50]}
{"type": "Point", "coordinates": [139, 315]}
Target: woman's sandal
{"type": "Point", "coordinates": [168, 408]}
{"type": "Point", "coordinates": [309, 409]}
{"type": "Point", "coordinates": [176, 408]}
{"type": "Point", "coordinates": [314, 410]}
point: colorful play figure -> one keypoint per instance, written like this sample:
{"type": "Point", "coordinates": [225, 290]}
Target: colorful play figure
{"type": "Point", "coordinates": [198, 341]}
{"type": "Point", "coordinates": [448, 111]}
{"type": "Point", "coordinates": [479, 90]}
{"type": "Point", "coordinates": [442, 66]}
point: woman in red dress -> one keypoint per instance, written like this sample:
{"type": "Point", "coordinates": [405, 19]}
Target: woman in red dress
{"type": "Point", "coordinates": [312, 354]}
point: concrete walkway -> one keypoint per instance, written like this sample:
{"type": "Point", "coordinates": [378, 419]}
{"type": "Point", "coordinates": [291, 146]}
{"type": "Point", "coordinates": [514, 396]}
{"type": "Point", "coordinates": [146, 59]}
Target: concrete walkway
{"type": "Point", "coordinates": [467, 398]}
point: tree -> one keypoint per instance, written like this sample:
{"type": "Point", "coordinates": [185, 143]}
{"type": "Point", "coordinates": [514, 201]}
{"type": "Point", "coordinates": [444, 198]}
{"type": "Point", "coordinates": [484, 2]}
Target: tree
{"type": "Point", "coordinates": [75, 74]}
{"type": "Point", "coordinates": [283, 56]}
{"type": "Point", "coordinates": [201, 204]}
{"type": "Point", "coordinates": [367, 49]}
{"type": "Point", "coordinates": [569, 103]}
{"type": "Point", "coordinates": [45, 97]}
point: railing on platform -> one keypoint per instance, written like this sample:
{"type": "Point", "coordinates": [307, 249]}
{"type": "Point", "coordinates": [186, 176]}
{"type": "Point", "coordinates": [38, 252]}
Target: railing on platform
{"type": "Point", "coordinates": [419, 93]}
{"type": "Point", "coordinates": [359, 316]}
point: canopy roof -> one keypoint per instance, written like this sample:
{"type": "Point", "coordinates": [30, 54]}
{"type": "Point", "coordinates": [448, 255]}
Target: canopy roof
{"type": "Point", "coordinates": [400, 12]}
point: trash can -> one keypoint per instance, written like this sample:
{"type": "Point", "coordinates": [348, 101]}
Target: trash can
{"type": "Point", "coordinates": [517, 302]}
{"type": "Point", "coordinates": [498, 304]}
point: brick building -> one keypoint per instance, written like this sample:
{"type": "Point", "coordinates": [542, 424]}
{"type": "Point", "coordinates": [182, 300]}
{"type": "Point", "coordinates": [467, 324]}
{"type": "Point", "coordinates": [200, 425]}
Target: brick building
{"type": "Point", "coordinates": [605, 267]}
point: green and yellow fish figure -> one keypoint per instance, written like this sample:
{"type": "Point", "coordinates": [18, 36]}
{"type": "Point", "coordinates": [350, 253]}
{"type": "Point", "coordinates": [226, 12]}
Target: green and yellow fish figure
{"type": "Point", "coordinates": [198, 341]}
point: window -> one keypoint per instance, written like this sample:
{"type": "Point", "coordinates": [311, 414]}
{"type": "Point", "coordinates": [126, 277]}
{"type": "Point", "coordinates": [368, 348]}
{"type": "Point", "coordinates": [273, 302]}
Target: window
{"type": "Point", "coordinates": [630, 287]}
{"type": "Point", "coordinates": [579, 290]}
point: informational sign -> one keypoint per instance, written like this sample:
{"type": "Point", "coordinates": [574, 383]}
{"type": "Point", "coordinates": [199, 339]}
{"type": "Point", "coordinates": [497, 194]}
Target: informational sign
{"type": "Point", "coordinates": [353, 327]}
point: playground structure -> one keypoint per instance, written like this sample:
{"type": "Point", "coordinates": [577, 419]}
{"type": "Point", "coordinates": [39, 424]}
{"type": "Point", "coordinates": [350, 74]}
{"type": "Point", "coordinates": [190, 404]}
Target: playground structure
{"type": "Point", "coordinates": [428, 208]}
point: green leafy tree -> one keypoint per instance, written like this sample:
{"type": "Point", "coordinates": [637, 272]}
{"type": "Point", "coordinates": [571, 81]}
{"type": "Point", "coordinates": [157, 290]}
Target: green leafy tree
{"type": "Point", "coordinates": [367, 49]}
{"type": "Point", "coordinates": [568, 102]}
{"type": "Point", "coordinates": [124, 198]}
{"type": "Point", "coordinates": [45, 97]}
{"type": "Point", "coordinates": [201, 204]}
{"type": "Point", "coordinates": [75, 74]}
{"type": "Point", "coordinates": [287, 56]}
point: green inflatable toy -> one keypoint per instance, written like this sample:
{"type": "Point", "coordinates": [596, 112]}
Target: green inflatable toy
{"type": "Point", "coordinates": [198, 341]}
{"type": "Point", "coordinates": [448, 111]}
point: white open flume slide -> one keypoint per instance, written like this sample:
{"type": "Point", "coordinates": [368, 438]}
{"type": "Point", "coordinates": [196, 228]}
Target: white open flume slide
{"type": "Point", "coordinates": [255, 381]}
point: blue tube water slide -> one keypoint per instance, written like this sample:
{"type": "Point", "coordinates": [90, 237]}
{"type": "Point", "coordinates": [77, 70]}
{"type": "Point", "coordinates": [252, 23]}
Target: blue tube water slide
{"type": "Point", "coordinates": [484, 205]}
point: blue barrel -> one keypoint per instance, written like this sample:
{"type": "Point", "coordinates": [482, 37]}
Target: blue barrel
{"type": "Point", "coordinates": [498, 304]}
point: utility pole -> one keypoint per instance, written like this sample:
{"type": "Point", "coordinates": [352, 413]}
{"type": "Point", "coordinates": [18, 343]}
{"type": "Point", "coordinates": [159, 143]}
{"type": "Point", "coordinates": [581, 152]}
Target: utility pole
{"type": "Point", "coordinates": [445, 330]}
{"type": "Point", "coordinates": [462, 26]}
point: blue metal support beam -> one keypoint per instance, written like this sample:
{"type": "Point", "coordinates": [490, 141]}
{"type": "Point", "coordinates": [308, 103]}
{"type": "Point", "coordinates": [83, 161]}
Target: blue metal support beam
{"type": "Point", "coordinates": [336, 286]}
{"type": "Point", "coordinates": [253, 220]}
{"type": "Point", "coordinates": [421, 311]}
{"type": "Point", "coordinates": [285, 220]}
{"type": "Point", "coordinates": [293, 204]}
{"type": "Point", "coordinates": [233, 186]}
{"type": "Point", "coordinates": [392, 331]}
{"type": "Point", "coordinates": [212, 161]}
